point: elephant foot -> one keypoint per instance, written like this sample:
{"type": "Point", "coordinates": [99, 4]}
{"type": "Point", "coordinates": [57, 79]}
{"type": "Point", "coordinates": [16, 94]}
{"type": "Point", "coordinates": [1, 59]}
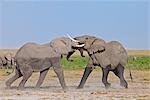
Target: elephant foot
{"type": "Point", "coordinates": [37, 87]}
{"type": "Point", "coordinates": [65, 89]}
{"type": "Point", "coordinates": [8, 85]}
{"type": "Point", "coordinates": [107, 85]}
{"type": "Point", "coordinates": [21, 87]}
{"type": "Point", "coordinates": [80, 87]}
{"type": "Point", "coordinates": [124, 84]}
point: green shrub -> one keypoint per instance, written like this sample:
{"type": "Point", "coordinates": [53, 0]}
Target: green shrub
{"type": "Point", "coordinates": [77, 63]}
{"type": "Point", "coordinates": [139, 63]}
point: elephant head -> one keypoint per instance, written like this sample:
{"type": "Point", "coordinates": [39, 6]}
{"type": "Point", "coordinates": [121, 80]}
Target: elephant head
{"type": "Point", "coordinates": [7, 60]}
{"type": "Point", "coordinates": [3, 61]}
{"type": "Point", "coordinates": [66, 46]}
{"type": "Point", "coordinates": [92, 44]}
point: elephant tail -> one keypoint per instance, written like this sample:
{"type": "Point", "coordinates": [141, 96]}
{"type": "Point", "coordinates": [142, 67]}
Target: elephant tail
{"type": "Point", "coordinates": [130, 71]}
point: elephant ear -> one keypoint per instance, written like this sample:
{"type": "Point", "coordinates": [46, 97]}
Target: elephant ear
{"type": "Point", "coordinates": [88, 42]}
{"type": "Point", "coordinates": [96, 49]}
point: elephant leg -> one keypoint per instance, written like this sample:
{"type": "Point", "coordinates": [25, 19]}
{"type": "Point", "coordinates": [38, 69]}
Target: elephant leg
{"type": "Point", "coordinates": [59, 71]}
{"type": "Point", "coordinates": [60, 75]}
{"type": "Point", "coordinates": [41, 78]}
{"type": "Point", "coordinates": [87, 72]}
{"type": "Point", "coordinates": [12, 79]}
{"type": "Point", "coordinates": [69, 54]}
{"type": "Point", "coordinates": [81, 52]}
{"type": "Point", "coordinates": [115, 71]}
{"type": "Point", "coordinates": [105, 72]}
{"type": "Point", "coordinates": [119, 71]}
{"type": "Point", "coordinates": [26, 76]}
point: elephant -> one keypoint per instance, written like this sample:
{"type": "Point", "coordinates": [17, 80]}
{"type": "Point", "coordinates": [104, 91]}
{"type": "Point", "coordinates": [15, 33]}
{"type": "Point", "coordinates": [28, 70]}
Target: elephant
{"type": "Point", "coordinates": [33, 57]}
{"type": "Point", "coordinates": [3, 61]}
{"type": "Point", "coordinates": [110, 56]}
{"type": "Point", "coordinates": [7, 61]}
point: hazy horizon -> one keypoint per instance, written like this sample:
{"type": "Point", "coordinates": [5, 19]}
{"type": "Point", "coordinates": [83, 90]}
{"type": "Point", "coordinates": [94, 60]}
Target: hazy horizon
{"type": "Point", "coordinates": [41, 21]}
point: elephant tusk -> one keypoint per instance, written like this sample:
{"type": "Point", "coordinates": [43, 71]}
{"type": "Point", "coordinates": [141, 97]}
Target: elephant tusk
{"type": "Point", "coordinates": [81, 45]}
{"type": "Point", "coordinates": [72, 38]}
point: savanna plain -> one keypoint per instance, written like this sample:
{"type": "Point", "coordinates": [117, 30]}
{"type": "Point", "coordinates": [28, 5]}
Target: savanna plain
{"type": "Point", "coordinates": [138, 89]}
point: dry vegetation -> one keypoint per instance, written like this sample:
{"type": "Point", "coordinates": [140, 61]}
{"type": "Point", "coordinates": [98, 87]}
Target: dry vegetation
{"type": "Point", "coordinates": [5, 51]}
{"type": "Point", "coordinates": [139, 52]}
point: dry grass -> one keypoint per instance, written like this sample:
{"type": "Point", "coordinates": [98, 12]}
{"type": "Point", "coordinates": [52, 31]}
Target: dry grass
{"type": "Point", "coordinates": [6, 51]}
{"type": "Point", "coordinates": [139, 52]}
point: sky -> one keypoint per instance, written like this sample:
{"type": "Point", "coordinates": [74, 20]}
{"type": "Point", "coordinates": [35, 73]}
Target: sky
{"type": "Point", "coordinates": [40, 21]}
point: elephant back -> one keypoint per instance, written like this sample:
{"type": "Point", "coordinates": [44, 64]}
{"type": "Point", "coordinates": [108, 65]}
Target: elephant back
{"type": "Point", "coordinates": [33, 50]}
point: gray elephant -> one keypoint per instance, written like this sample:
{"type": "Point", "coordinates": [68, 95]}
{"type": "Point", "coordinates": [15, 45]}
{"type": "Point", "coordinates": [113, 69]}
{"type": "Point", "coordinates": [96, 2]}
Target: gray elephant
{"type": "Point", "coordinates": [3, 61]}
{"type": "Point", "coordinates": [110, 56]}
{"type": "Point", "coordinates": [33, 57]}
{"type": "Point", "coordinates": [7, 61]}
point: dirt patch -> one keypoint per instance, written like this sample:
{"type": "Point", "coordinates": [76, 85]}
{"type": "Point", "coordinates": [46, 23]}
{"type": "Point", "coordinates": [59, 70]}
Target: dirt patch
{"type": "Point", "coordinates": [93, 90]}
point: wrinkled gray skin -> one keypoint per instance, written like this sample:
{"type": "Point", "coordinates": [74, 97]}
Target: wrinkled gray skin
{"type": "Point", "coordinates": [3, 61]}
{"type": "Point", "coordinates": [64, 46]}
{"type": "Point", "coordinates": [33, 57]}
{"type": "Point", "coordinates": [110, 56]}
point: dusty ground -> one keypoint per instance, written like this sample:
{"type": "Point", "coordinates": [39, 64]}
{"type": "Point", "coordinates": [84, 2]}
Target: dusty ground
{"type": "Point", "coordinates": [93, 90]}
